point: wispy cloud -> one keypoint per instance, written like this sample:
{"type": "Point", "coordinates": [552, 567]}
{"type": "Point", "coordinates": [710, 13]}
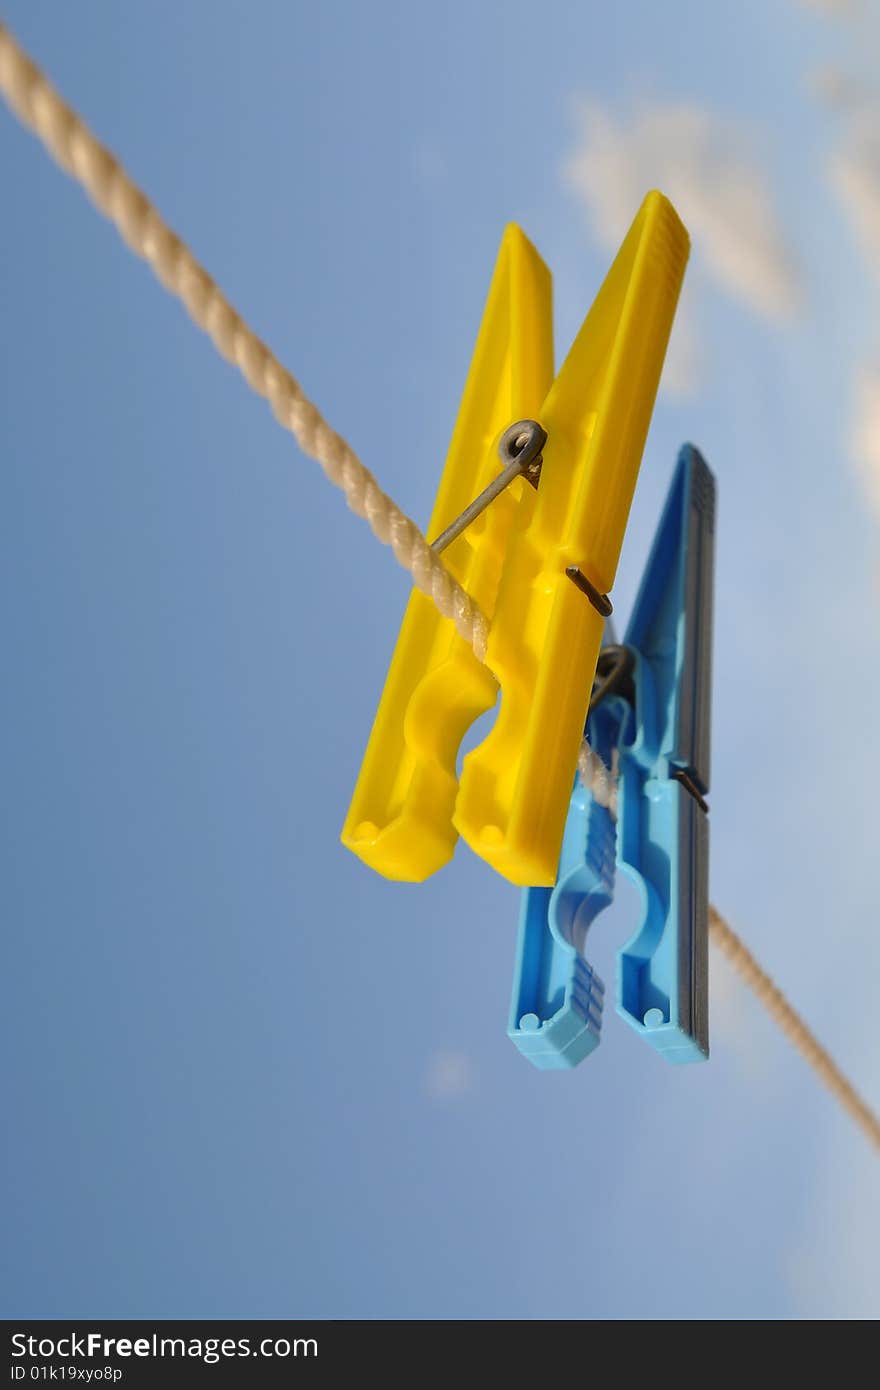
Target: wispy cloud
{"type": "Point", "coordinates": [837, 89]}
{"type": "Point", "coordinates": [706, 166]}
{"type": "Point", "coordinates": [685, 355]}
{"type": "Point", "coordinates": [865, 440]}
{"type": "Point", "coordinates": [448, 1074]}
{"type": "Point", "coordinates": [855, 176]}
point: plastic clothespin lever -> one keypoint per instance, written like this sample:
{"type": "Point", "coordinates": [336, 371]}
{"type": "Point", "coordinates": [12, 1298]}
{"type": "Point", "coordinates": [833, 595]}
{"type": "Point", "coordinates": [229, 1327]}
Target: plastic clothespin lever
{"type": "Point", "coordinates": [510, 804]}
{"type": "Point", "coordinates": [658, 720]}
{"type": "Point", "coordinates": [556, 1009]}
{"type": "Point", "coordinates": [400, 818]}
{"type": "Point", "coordinates": [663, 831]}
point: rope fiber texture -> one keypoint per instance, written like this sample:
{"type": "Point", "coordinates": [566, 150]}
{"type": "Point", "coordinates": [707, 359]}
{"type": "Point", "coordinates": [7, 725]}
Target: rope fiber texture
{"type": "Point", "coordinates": [602, 783]}
{"type": "Point", "coordinates": [788, 1022]}
{"type": "Point", "coordinates": [80, 154]}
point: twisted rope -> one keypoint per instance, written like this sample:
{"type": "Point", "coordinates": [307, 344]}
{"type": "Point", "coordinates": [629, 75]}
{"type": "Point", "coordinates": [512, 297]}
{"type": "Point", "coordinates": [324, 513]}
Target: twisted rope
{"type": "Point", "coordinates": [725, 938]}
{"type": "Point", "coordinates": [72, 145]}
{"type": "Point", "coordinates": [599, 780]}
{"type": "Point", "coordinates": [80, 154]}
{"type": "Point", "coordinates": [602, 783]}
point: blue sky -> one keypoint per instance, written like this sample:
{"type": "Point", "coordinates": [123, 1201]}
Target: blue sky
{"type": "Point", "coordinates": [245, 1076]}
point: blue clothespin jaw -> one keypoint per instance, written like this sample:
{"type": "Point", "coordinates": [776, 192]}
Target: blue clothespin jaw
{"type": "Point", "coordinates": [660, 730]}
{"type": "Point", "coordinates": [556, 1009]}
{"type": "Point", "coordinates": [663, 845]}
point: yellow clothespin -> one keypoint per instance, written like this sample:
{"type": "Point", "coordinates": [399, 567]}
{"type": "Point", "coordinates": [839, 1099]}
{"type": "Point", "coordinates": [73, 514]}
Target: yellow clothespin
{"type": "Point", "coordinates": [539, 561]}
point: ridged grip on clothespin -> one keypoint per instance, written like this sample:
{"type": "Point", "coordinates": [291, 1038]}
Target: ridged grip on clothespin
{"type": "Point", "coordinates": [556, 1005]}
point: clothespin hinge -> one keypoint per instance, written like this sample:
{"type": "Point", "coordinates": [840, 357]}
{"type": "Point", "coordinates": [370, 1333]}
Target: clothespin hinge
{"type": "Point", "coordinates": [520, 451]}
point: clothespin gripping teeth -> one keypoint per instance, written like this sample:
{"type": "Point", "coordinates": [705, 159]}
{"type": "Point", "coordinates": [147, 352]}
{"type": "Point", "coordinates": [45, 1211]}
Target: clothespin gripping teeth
{"type": "Point", "coordinates": [556, 1007]}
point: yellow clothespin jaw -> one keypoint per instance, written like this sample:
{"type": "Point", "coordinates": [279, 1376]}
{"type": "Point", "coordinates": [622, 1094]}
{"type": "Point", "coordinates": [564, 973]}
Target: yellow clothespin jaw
{"type": "Point", "coordinates": [400, 819]}
{"type": "Point", "coordinates": [518, 561]}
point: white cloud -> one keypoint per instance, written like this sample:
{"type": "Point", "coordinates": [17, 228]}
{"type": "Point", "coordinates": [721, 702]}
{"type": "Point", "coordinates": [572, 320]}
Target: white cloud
{"type": "Point", "coordinates": [685, 355]}
{"type": "Point", "coordinates": [704, 165]}
{"type": "Point", "coordinates": [855, 176]}
{"type": "Point", "coordinates": [865, 440]}
{"type": "Point", "coordinates": [448, 1074]}
{"type": "Point", "coordinates": [854, 172]}
{"type": "Point", "coordinates": [837, 89]}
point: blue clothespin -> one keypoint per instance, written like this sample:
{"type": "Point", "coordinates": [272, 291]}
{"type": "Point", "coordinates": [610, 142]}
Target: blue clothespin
{"type": "Point", "coordinates": [649, 723]}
